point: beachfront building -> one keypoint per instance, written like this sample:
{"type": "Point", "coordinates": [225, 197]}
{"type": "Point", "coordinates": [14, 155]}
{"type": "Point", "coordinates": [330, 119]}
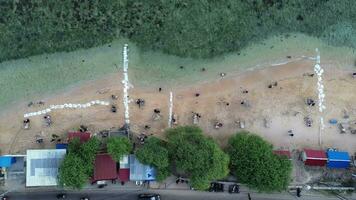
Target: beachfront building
{"type": "Point", "coordinates": [83, 136]}
{"type": "Point", "coordinates": [124, 170]}
{"type": "Point", "coordinates": [104, 168]}
{"type": "Point", "coordinates": [139, 171]}
{"type": "Point", "coordinates": [42, 166]}
{"type": "Point", "coordinates": [338, 159]}
{"type": "Point", "coordinates": [312, 157]}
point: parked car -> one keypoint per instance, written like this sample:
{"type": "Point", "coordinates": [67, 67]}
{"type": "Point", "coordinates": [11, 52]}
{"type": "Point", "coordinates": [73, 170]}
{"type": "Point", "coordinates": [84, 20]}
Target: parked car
{"type": "Point", "coordinates": [234, 188]}
{"type": "Point", "coordinates": [61, 196]}
{"type": "Point", "coordinates": [216, 187]}
{"type": "Point", "coordinates": [146, 196]}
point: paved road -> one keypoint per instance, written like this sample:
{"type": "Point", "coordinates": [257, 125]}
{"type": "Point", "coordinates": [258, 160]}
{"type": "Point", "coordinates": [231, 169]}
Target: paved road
{"type": "Point", "coordinates": [165, 194]}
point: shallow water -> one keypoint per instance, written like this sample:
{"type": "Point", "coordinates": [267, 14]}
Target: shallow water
{"type": "Point", "coordinates": [29, 79]}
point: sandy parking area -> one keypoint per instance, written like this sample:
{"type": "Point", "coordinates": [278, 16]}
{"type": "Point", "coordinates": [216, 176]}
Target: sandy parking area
{"type": "Point", "coordinates": [220, 100]}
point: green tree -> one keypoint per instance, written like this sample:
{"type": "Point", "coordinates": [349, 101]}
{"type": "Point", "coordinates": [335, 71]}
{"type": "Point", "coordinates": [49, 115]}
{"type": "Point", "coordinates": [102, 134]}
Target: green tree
{"type": "Point", "coordinates": [88, 151]}
{"type": "Point", "coordinates": [155, 153]}
{"type": "Point", "coordinates": [118, 147]}
{"type": "Point", "coordinates": [72, 172]}
{"type": "Point", "coordinates": [197, 156]}
{"type": "Point", "coordinates": [254, 163]}
{"type": "Point", "coordinates": [78, 164]}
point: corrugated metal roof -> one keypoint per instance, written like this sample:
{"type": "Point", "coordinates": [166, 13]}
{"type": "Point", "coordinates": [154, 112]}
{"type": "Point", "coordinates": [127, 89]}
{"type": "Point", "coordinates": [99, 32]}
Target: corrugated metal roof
{"type": "Point", "coordinates": [105, 168]}
{"type": "Point", "coordinates": [6, 161]}
{"type": "Point", "coordinates": [124, 174]}
{"type": "Point", "coordinates": [315, 154]}
{"type": "Point", "coordinates": [61, 146]}
{"type": "Point", "coordinates": [42, 166]}
{"type": "Point", "coordinates": [141, 172]}
{"type": "Point", "coordinates": [83, 137]}
{"type": "Point", "coordinates": [338, 159]}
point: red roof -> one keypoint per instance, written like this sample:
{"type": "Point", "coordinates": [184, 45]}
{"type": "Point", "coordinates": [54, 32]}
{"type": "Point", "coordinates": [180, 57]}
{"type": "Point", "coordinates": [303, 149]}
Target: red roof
{"type": "Point", "coordinates": [315, 154]}
{"type": "Point", "coordinates": [283, 153]}
{"type": "Point", "coordinates": [84, 137]}
{"type": "Point", "coordinates": [104, 168]}
{"type": "Point", "coordinates": [124, 174]}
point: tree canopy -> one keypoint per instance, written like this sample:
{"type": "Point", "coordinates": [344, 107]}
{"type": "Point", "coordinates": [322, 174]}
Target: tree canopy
{"type": "Point", "coordinates": [186, 28]}
{"type": "Point", "coordinates": [254, 163]}
{"type": "Point", "coordinates": [155, 153]}
{"type": "Point", "coordinates": [78, 164]}
{"type": "Point", "coordinates": [197, 156]}
{"type": "Point", "coordinates": [117, 147]}
{"type": "Point", "coordinates": [72, 172]}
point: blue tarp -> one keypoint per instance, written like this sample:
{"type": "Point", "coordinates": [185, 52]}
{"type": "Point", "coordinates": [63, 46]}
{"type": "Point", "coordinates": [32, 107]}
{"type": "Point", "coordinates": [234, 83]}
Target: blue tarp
{"type": "Point", "coordinates": [338, 159]}
{"type": "Point", "coordinates": [139, 171]}
{"type": "Point", "coordinates": [61, 146]}
{"type": "Point", "coordinates": [6, 161]}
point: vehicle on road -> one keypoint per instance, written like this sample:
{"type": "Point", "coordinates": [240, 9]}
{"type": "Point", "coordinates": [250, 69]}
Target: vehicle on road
{"type": "Point", "coordinates": [61, 196]}
{"type": "Point", "coordinates": [149, 196]}
{"type": "Point", "coordinates": [216, 187]}
{"type": "Point", "coordinates": [84, 198]}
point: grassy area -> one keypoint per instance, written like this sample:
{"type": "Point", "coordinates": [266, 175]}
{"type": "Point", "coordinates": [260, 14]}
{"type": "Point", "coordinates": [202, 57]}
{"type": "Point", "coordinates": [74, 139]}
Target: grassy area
{"type": "Point", "coordinates": [45, 74]}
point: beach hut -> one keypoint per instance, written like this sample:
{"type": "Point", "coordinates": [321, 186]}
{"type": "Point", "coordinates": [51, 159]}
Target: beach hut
{"type": "Point", "coordinates": [139, 171]}
{"type": "Point", "coordinates": [104, 168]}
{"type": "Point", "coordinates": [7, 161]}
{"type": "Point", "coordinates": [338, 159]}
{"type": "Point", "coordinates": [83, 136]}
{"type": "Point", "coordinates": [314, 157]}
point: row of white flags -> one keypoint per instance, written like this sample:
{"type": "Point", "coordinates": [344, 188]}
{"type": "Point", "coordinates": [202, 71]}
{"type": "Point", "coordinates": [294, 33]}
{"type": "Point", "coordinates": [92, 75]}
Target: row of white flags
{"type": "Point", "coordinates": [67, 106]}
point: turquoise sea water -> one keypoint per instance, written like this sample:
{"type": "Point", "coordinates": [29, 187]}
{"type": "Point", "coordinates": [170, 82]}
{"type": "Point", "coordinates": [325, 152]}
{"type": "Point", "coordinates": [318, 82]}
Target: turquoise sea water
{"type": "Point", "coordinates": [46, 74]}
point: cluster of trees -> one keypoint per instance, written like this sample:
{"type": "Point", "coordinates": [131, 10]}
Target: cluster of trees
{"type": "Point", "coordinates": [201, 28]}
{"type": "Point", "coordinates": [254, 163]}
{"type": "Point", "coordinates": [78, 165]}
{"type": "Point", "coordinates": [188, 152]}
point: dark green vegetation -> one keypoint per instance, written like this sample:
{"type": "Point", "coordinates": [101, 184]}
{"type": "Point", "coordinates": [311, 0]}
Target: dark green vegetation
{"type": "Point", "coordinates": [197, 156]}
{"type": "Point", "coordinates": [201, 28]}
{"type": "Point", "coordinates": [78, 165]}
{"type": "Point", "coordinates": [155, 153]}
{"type": "Point", "coordinates": [253, 163]}
{"type": "Point", "coordinates": [117, 147]}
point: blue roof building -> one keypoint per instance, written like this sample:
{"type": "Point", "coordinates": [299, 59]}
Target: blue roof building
{"type": "Point", "coordinates": [61, 146]}
{"type": "Point", "coordinates": [338, 159]}
{"type": "Point", "coordinates": [139, 171]}
{"type": "Point", "coordinates": [7, 161]}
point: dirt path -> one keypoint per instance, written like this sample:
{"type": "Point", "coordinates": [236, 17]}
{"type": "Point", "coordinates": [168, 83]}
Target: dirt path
{"type": "Point", "coordinates": [219, 100]}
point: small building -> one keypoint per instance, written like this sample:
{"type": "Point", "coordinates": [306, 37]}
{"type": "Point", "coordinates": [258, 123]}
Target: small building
{"type": "Point", "coordinates": [42, 166]}
{"type": "Point", "coordinates": [124, 169]}
{"type": "Point", "coordinates": [139, 171]}
{"type": "Point", "coordinates": [104, 168]}
{"type": "Point", "coordinates": [61, 146]}
{"type": "Point", "coordinates": [314, 157]}
{"type": "Point", "coordinates": [284, 153]}
{"type": "Point", "coordinates": [338, 159]}
{"type": "Point", "coordinates": [7, 161]}
{"type": "Point", "coordinates": [83, 136]}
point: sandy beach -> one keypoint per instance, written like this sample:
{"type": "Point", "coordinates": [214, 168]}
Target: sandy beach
{"type": "Point", "coordinates": [282, 107]}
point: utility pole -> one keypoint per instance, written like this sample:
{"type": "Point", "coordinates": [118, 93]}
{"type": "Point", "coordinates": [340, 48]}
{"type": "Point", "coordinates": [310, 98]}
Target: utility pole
{"type": "Point", "coordinates": [126, 88]}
